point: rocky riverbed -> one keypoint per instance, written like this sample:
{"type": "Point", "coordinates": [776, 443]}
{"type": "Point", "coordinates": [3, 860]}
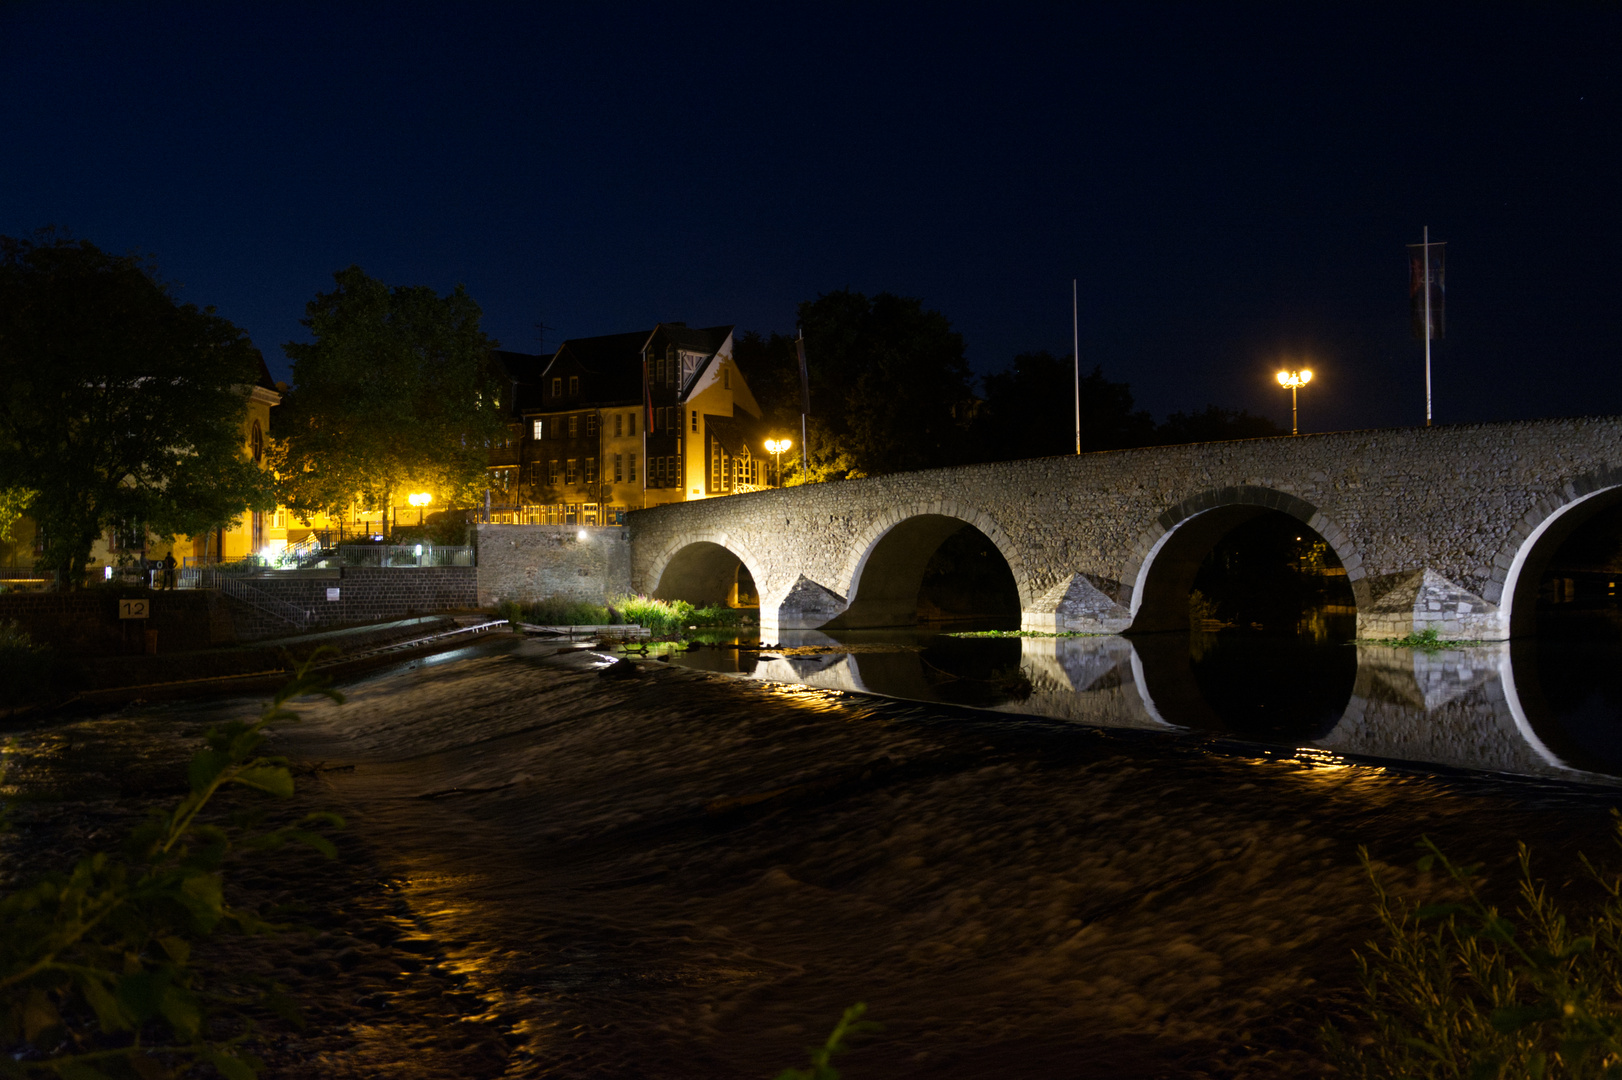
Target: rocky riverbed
{"type": "Point", "coordinates": [551, 873]}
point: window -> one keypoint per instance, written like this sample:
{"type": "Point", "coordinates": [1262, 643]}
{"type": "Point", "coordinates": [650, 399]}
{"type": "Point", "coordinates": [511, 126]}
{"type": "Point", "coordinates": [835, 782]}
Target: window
{"type": "Point", "coordinates": [591, 423]}
{"type": "Point", "coordinates": [557, 387]}
{"type": "Point", "coordinates": [630, 424]}
{"type": "Point", "coordinates": [726, 379]}
{"type": "Point", "coordinates": [256, 442]}
{"type": "Point", "coordinates": [591, 470]}
{"type": "Point", "coordinates": [552, 472]}
{"type": "Point", "coordinates": [695, 420]}
{"type": "Point", "coordinates": [570, 471]}
{"type": "Point", "coordinates": [619, 425]}
{"type": "Point", "coordinates": [574, 426]}
{"type": "Point", "coordinates": [630, 467]}
{"type": "Point", "coordinates": [539, 430]}
{"type": "Point", "coordinates": [716, 454]}
{"type": "Point", "coordinates": [619, 468]}
{"type": "Point", "coordinates": [574, 385]}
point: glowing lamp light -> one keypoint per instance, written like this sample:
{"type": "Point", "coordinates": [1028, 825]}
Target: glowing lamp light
{"type": "Point", "coordinates": [775, 448]}
{"type": "Point", "coordinates": [419, 551]}
{"type": "Point", "coordinates": [421, 498]}
{"type": "Point", "coordinates": [581, 535]}
{"type": "Point", "coordinates": [1293, 381]}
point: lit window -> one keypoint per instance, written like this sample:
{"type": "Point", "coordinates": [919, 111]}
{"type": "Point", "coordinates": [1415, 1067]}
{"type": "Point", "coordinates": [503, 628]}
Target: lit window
{"type": "Point", "coordinates": [569, 471]}
{"type": "Point", "coordinates": [552, 472]}
{"type": "Point", "coordinates": [540, 428]}
{"type": "Point", "coordinates": [574, 385]}
{"type": "Point", "coordinates": [557, 387]}
{"type": "Point", "coordinates": [591, 470]}
{"type": "Point", "coordinates": [591, 423]}
{"type": "Point", "coordinates": [574, 426]}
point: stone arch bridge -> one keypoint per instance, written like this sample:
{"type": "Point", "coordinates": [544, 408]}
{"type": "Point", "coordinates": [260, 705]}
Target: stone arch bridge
{"type": "Point", "coordinates": [1446, 528]}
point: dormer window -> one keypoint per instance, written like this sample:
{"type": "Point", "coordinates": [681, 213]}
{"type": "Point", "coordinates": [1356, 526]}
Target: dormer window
{"type": "Point", "coordinates": [574, 385]}
{"type": "Point", "coordinates": [557, 387]}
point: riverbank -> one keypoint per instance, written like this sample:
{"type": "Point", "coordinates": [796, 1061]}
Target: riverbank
{"type": "Point", "coordinates": [677, 874]}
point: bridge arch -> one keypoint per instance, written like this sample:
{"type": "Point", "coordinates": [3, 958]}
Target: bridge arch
{"type": "Point", "coordinates": [1167, 556]}
{"type": "Point", "coordinates": [885, 570]}
{"type": "Point", "coordinates": [702, 567]}
{"type": "Point", "coordinates": [1535, 539]}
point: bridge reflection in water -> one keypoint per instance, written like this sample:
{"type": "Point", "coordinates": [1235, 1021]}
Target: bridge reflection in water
{"type": "Point", "coordinates": [1533, 707]}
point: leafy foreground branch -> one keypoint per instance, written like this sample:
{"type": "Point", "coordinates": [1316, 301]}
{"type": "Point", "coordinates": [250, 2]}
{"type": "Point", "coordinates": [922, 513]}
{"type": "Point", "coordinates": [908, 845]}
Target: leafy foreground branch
{"type": "Point", "coordinates": [95, 974]}
{"type": "Point", "coordinates": [1458, 989]}
{"type": "Point", "coordinates": [822, 1057]}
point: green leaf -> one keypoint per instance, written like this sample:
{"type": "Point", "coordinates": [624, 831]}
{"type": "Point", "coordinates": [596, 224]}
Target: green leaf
{"type": "Point", "coordinates": [180, 1010]}
{"type": "Point", "coordinates": [1426, 862]}
{"type": "Point", "coordinates": [205, 768]}
{"type": "Point", "coordinates": [276, 780]}
{"type": "Point", "coordinates": [316, 841]}
{"type": "Point", "coordinates": [232, 1067]}
{"type": "Point", "coordinates": [110, 1014]}
{"type": "Point", "coordinates": [177, 948]}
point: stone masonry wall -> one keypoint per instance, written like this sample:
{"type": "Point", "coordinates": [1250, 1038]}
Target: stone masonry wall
{"type": "Point", "coordinates": [538, 562]}
{"type": "Point", "coordinates": [364, 594]}
{"type": "Point", "coordinates": [87, 624]}
{"type": "Point", "coordinates": [1458, 502]}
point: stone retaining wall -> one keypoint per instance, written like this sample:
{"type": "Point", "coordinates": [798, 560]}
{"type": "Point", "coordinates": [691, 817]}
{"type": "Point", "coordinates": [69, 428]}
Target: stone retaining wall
{"type": "Point", "coordinates": [86, 623]}
{"type": "Point", "coordinates": [538, 562]}
{"type": "Point", "coordinates": [363, 594]}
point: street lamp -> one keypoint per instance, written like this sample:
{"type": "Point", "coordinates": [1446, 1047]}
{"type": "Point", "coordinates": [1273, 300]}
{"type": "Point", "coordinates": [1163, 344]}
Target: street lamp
{"type": "Point", "coordinates": [419, 500]}
{"type": "Point", "coordinates": [775, 448]}
{"type": "Point", "coordinates": [1294, 380]}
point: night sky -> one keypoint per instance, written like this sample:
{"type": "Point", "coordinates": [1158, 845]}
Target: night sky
{"type": "Point", "coordinates": [1233, 185]}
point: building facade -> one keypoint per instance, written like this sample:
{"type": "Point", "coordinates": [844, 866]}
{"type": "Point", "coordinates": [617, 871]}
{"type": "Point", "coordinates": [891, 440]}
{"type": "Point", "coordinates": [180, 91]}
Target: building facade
{"type": "Point", "coordinates": [615, 423]}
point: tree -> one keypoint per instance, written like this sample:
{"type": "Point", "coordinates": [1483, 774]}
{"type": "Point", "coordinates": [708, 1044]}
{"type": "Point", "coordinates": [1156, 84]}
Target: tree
{"type": "Point", "coordinates": [396, 389]}
{"type": "Point", "coordinates": [1030, 411]}
{"type": "Point", "coordinates": [123, 407]}
{"type": "Point", "coordinates": [889, 385]}
{"type": "Point", "coordinates": [1215, 424]}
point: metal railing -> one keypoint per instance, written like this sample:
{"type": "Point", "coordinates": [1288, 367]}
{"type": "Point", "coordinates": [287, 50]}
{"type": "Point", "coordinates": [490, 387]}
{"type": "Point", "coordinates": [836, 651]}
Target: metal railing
{"type": "Point", "coordinates": [403, 555]}
{"type": "Point", "coordinates": [233, 586]}
{"type": "Point", "coordinates": [21, 579]}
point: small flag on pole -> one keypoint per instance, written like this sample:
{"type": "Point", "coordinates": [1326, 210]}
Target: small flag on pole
{"type": "Point", "coordinates": [1423, 278]}
{"type": "Point", "coordinates": [805, 376]}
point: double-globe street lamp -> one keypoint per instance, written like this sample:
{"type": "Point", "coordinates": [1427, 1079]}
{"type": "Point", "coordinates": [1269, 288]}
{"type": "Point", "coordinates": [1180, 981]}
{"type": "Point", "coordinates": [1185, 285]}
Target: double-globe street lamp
{"type": "Point", "coordinates": [775, 448]}
{"type": "Point", "coordinates": [1294, 381]}
{"type": "Point", "coordinates": [419, 499]}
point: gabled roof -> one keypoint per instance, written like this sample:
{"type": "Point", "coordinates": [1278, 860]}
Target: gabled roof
{"type": "Point", "coordinates": [614, 361]}
{"type": "Point", "coordinates": [524, 372]}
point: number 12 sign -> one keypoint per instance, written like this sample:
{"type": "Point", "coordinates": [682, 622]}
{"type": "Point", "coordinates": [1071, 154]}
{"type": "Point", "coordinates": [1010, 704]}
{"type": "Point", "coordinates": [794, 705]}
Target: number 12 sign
{"type": "Point", "coordinates": [134, 609]}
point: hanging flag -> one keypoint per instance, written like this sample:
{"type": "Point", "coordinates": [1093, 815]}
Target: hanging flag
{"type": "Point", "coordinates": [805, 376]}
{"type": "Point", "coordinates": [647, 396]}
{"type": "Point", "coordinates": [1435, 278]}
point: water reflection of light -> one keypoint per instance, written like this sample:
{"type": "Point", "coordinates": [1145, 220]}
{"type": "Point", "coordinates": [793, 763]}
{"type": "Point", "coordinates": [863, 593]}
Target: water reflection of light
{"type": "Point", "coordinates": [1320, 760]}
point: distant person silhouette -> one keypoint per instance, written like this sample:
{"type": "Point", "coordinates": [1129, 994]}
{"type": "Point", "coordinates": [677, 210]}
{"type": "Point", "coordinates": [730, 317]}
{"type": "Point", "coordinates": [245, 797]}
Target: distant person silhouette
{"type": "Point", "coordinates": [169, 571]}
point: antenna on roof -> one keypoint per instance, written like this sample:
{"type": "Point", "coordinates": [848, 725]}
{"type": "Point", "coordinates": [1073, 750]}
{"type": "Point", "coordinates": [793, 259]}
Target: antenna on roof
{"type": "Point", "coordinates": [540, 329]}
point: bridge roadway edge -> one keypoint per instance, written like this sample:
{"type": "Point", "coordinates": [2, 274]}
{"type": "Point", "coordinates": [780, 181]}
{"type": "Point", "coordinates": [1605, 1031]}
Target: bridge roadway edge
{"type": "Point", "coordinates": [1453, 515]}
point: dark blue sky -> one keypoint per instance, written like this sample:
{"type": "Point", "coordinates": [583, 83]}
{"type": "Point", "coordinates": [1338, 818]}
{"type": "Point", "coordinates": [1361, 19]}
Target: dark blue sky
{"type": "Point", "coordinates": [1233, 185]}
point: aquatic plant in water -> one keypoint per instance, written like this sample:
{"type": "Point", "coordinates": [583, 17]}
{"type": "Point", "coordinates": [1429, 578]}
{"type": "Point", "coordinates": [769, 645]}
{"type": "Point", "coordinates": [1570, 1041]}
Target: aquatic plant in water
{"type": "Point", "coordinates": [95, 972]}
{"type": "Point", "coordinates": [1458, 989]}
{"type": "Point", "coordinates": [1424, 640]}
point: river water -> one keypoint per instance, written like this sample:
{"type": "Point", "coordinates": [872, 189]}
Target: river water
{"type": "Point", "coordinates": [1030, 858]}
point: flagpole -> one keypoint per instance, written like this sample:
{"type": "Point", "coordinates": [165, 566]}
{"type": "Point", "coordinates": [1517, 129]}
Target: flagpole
{"type": "Point", "coordinates": [805, 404]}
{"type": "Point", "coordinates": [1075, 354]}
{"type": "Point", "coordinates": [1428, 334]}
